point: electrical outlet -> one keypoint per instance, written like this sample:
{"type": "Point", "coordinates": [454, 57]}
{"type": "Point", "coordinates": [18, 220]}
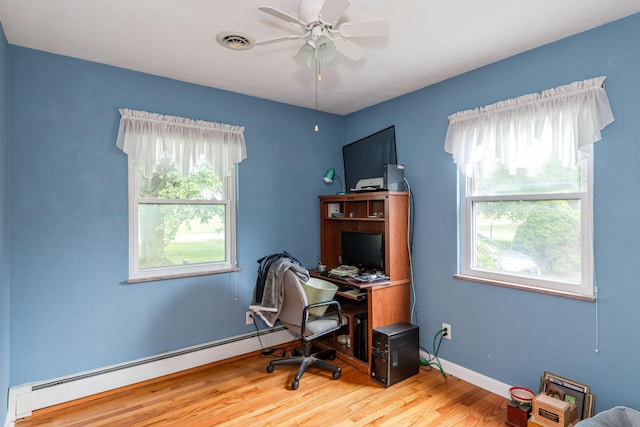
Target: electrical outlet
{"type": "Point", "coordinates": [447, 334]}
{"type": "Point", "coordinates": [248, 318]}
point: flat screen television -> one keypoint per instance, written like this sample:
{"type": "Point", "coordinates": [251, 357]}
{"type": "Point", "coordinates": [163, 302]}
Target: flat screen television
{"type": "Point", "coordinates": [362, 250]}
{"type": "Point", "coordinates": [366, 157]}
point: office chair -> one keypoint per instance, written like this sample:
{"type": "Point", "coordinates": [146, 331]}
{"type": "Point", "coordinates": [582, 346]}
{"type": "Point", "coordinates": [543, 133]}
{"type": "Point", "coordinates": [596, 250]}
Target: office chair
{"type": "Point", "coordinates": [297, 315]}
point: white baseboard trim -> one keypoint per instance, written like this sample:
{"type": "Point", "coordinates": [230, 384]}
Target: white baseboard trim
{"type": "Point", "coordinates": [475, 378]}
{"type": "Point", "coordinates": [26, 398]}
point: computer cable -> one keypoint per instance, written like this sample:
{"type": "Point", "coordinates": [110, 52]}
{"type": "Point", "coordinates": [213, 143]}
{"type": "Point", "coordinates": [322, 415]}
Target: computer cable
{"type": "Point", "coordinates": [409, 247]}
{"type": "Point", "coordinates": [433, 360]}
{"type": "Point", "coordinates": [271, 352]}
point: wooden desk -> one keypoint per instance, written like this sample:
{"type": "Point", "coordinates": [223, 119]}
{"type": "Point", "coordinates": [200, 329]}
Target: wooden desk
{"type": "Point", "coordinates": [385, 303]}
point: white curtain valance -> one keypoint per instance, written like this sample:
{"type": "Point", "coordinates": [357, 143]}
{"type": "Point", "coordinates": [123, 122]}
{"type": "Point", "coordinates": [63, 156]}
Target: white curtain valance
{"type": "Point", "coordinates": [150, 138]}
{"type": "Point", "coordinates": [572, 116]}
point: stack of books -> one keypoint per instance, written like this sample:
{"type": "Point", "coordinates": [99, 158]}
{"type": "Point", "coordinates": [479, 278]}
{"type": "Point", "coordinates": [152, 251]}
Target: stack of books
{"type": "Point", "coordinates": [344, 271]}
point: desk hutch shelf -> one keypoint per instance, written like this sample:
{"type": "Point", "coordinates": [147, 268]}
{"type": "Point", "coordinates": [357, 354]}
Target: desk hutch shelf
{"type": "Point", "coordinates": [386, 302]}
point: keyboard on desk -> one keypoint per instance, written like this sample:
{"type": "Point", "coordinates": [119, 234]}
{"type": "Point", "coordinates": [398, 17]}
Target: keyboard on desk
{"type": "Point", "coordinates": [351, 292]}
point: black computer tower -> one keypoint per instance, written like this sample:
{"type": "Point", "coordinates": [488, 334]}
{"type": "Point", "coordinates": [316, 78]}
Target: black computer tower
{"type": "Point", "coordinates": [360, 337]}
{"type": "Point", "coordinates": [394, 353]}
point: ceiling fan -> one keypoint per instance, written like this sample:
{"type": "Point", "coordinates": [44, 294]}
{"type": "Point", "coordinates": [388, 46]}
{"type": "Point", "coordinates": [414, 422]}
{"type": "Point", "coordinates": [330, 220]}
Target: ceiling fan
{"type": "Point", "coordinates": [317, 23]}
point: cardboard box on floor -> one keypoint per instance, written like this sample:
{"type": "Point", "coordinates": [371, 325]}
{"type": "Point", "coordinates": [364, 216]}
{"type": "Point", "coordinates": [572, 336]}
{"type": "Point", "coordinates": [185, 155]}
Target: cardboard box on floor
{"type": "Point", "coordinates": [551, 412]}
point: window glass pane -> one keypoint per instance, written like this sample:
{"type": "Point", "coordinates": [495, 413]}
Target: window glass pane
{"type": "Point", "coordinates": [545, 176]}
{"type": "Point", "coordinates": [180, 234]}
{"type": "Point", "coordinates": [168, 183]}
{"type": "Point", "coordinates": [539, 238]}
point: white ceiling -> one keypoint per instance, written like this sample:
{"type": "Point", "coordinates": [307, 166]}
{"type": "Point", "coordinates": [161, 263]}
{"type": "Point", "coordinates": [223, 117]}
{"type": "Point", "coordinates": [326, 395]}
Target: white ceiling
{"type": "Point", "coordinates": [429, 41]}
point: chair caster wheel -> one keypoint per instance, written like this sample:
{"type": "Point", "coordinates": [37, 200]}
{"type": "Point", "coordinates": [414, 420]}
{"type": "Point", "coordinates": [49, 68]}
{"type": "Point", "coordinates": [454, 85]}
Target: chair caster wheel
{"type": "Point", "coordinates": [332, 357]}
{"type": "Point", "coordinates": [269, 368]}
{"type": "Point", "coordinates": [294, 385]}
{"type": "Point", "coordinates": [336, 375]}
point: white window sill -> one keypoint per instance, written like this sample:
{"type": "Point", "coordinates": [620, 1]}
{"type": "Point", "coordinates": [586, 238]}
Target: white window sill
{"type": "Point", "coordinates": [183, 275]}
{"type": "Point", "coordinates": [525, 288]}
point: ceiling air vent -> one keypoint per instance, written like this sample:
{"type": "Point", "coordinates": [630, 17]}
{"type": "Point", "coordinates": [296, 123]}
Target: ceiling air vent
{"type": "Point", "coordinates": [235, 40]}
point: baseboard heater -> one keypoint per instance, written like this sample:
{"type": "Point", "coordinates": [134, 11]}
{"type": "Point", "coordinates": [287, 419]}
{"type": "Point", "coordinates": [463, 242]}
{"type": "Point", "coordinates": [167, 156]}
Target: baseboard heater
{"type": "Point", "coordinates": [26, 398]}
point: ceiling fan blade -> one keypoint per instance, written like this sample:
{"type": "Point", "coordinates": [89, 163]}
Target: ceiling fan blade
{"type": "Point", "coordinates": [281, 15]}
{"type": "Point", "coordinates": [280, 39]}
{"type": "Point", "coordinates": [332, 11]}
{"type": "Point", "coordinates": [365, 29]}
{"type": "Point", "coordinates": [349, 49]}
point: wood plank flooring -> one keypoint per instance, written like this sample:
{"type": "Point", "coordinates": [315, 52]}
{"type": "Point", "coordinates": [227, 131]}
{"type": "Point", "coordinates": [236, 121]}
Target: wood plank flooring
{"type": "Point", "coordinates": [241, 392]}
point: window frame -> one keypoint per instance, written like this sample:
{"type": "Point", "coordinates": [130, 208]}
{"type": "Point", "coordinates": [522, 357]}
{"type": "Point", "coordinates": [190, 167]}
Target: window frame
{"type": "Point", "coordinates": [585, 290]}
{"type": "Point", "coordinates": [160, 273]}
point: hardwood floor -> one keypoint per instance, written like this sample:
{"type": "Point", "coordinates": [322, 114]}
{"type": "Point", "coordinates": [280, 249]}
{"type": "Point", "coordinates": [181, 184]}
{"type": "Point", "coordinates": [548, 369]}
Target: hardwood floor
{"type": "Point", "coordinates": [241, 392]}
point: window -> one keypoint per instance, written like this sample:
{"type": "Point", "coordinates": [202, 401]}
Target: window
{"type": "Point", "coordinates": [526, 194]}
{"type": "Point", "coordinates": [182, 180]}
{"type": "Point", "coordinates": [180, 225]}
{"type": "Point", "coordinates": [532, 228]}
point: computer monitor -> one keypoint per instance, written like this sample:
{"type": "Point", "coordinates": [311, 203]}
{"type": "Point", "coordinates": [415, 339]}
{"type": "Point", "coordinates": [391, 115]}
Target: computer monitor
{"type": "Point", "coordinates": [362, 250]}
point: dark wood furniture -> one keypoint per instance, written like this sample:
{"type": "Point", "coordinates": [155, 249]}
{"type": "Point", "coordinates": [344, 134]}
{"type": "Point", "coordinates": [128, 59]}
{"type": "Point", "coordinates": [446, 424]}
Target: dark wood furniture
{"type": "Point", "coordinates": [384, 302]}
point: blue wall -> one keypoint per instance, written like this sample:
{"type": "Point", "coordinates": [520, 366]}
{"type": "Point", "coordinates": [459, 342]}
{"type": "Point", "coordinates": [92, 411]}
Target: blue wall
{"type": "Point", "coordinates": [4, 228]}
{"type": "Point", "coordinates": [70, 308]}
{"type": "Point", "coordinates": [71, 311]}
{"type": "Point", "coordinates": [511, 335]}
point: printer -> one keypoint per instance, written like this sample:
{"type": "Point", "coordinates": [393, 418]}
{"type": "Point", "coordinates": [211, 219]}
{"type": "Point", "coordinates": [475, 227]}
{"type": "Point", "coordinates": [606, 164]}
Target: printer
{"type": "Point", "coordinates": [392, 179]}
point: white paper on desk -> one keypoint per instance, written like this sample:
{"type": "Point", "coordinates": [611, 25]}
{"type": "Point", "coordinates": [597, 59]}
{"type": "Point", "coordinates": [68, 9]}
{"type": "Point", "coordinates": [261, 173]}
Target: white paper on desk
{"type": "Point", "coordinates": [369, 279]}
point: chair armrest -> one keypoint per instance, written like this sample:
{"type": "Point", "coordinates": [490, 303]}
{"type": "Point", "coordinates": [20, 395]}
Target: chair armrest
{"type": "Point", "coordinates": [305, 316]}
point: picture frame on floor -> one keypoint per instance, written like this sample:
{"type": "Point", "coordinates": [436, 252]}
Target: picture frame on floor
{"type": "Point", "coordinates": [569, 391]}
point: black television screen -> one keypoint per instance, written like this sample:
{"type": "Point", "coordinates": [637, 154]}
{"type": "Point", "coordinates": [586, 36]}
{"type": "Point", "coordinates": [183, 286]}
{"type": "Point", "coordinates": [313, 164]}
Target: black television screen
{"type": "Point", "coordinates": [366, 157]}
{"type": "Point", "coordinates": [362, 250]}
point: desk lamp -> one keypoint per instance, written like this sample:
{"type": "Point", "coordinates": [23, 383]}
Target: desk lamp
{"type": "Point", "coordinates": [329, 175]}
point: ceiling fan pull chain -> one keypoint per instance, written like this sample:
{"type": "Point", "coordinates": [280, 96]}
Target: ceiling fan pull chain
{"type": "Point", "coordinates": [317, 77]}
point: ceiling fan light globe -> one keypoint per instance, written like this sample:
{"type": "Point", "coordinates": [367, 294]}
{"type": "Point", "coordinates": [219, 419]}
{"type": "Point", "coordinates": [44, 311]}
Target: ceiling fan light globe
{"type": "Point", "coordinates": [305, 55]}
{"type": "Point", "coordinates": [326, 51]}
